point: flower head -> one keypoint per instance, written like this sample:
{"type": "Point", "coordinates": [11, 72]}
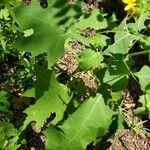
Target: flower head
{"type": "Point", "coordinates": [132, 6]}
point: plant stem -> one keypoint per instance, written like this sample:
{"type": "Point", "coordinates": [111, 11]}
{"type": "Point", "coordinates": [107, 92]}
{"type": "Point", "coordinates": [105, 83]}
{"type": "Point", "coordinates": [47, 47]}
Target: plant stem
{"type": "Point", "coordinates": [139, 53]}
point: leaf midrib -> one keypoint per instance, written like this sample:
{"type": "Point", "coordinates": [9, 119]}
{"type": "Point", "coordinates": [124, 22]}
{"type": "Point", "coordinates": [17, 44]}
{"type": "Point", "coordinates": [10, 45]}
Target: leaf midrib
{"type": "Point", "coordinates": [88, 116]}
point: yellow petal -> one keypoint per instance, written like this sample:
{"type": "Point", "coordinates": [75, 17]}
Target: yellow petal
{"type": "Point", "coordinates": [133, 1]}
{"type": "Point", "coordinates": [126, 1]}
{"type": "Point", "coordinates": [130, 6]}
{"type": "Point", "coordinates": [127, 8]}
{"type": "Point", "coordinates": [129, 1]}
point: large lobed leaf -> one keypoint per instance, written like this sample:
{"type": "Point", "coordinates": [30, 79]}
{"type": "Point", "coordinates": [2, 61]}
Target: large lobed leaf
{"type": "Point", "coordinates": [54, 99]}
{"type": "Point", "coordinates": [91, 120]}
{"type": "Point", "coordinates": [47, 35]}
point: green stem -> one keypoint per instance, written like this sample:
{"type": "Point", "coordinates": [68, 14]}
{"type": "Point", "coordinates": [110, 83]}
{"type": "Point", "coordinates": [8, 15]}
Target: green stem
{"type": "Point", "coordinates": [139, 53]}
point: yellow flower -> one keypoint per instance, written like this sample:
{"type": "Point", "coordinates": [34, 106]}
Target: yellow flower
{"type": "Point", "coordinates": [129, 1]}
{"type": "Point", "coordinates": [131, 6]}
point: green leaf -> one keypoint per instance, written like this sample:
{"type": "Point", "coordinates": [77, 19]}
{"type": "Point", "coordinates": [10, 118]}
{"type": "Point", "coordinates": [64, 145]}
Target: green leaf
{"type": "Point", "coordinates": [47, 35]}
{"type": "Point", "coordinates": [141, 20]}
{"type": "Point", "coordinates": [112, 21]}
{"type": "Point", "coordinates": [123, 40]}
{"type": "Point", "coordinates": [3, 143]}
{"type": "Point", "coordinates": [55, 99]}
{"type": "Point", "coordinates": [145, 101]}
{"type": "Point", "coordinates": [28, 32]}
{"type": "Point", "coordinates": [4, 2]}
{"type": "Point", "coordinates": [8, 129]}
{"type": "Point", "coordinates": [4, 104]}
{"type": "Point", "coordinates": [29, 92]}
{"type": "Point", "coordinates": [139, 23]}
{"type": "Point", "coordinates": [94, 20]}
{"type": "Point", "coordinates": [2, 136]}
{"type": "Point", "coordinates": [116, 75]}
{"type": "Point", "coordinates": [123, 43]}
{"type": "Point", "coordinates": [4, 14]}
{"type": "Point", "coordinates": [7, 136]}
{"type": "Point", "coordinates": [91, 120]}
{"type": "Point", "coordinates": [144, 42]}
{"type": "Point", "coordinates": [65, 14]}
{"type": "Point", "coordinates": [13, 146]}
{"type": "Point", "coordinates": [98, 40]}
{"type": "Point", "coordinates": [116, 96]}
{"type": "Point", "coordinates": [90, 59]}
{"type": "Point", "coordinates": [2, 96]}
{"type": "Point", "coordinates": [115, 100]}
{"type": "Point", "coordinates": [144, 76]}
{"type": "Point", "coordinates": [43, 81]}
{"type": "Point", "coordinates": [120, 121]}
